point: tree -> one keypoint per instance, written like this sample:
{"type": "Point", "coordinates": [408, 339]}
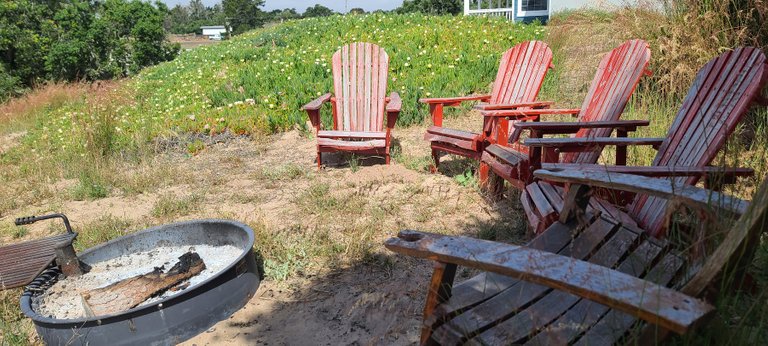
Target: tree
{"type": "Point", "coordinates": [78, 39]}
{"type": "Point", "coordinates": [357, 10]}
{"type": "Point", "coordinates": [438, 7]}
{"type": "Point", "coordinates": [243, 15]}
{"type": "Point", "coordinates": [282, 15]}
{"type": "Point", "coordinates": [197, 10]}
{"type": "Point", "coordinates": [318, 11]}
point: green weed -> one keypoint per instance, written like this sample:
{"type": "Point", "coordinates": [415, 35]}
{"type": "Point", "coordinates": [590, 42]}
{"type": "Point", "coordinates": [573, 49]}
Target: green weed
{"type": "Point", "coordinates": [196, 146]}
{"type": "Point", "coordinates": [102, 230]}
{"type": "Point", "coordinates": [169, 205]}
{"type": "Point", "coordinates": [90, 185]}
{"type": "Point", "coordinates": [286, 172]}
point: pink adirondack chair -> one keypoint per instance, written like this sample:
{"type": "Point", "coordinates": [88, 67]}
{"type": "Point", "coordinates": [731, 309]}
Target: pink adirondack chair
{"type": "Point", "coordinates": [518, 81]}
{"type": "Point", "coordinates": [616, 78]}
{"type": "Point", "coordinates": [359, 105]}
{"type": "Point", "coordinates": [718, 99]}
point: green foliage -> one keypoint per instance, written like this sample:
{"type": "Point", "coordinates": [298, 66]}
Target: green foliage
{"type": "Point", "coordinates": [188, 19]}
{"type": "Point", "coordinates": [78, 39]}
{"type": "Point", "coordinates": [467, 178]}
{"type": "Point", "coordinates": [243, 15]}
{"type": "Point", "coordinates": [168, 206]}
{"type": "Point", "coordinates": [195, 147]}
{"type": "Point", "coordinates": [318, 11]}
{"type": "Point", "coordinates": [439, 7]}
{"type": "Point", "coordinates": [90, 185]}
{"type": "Point", "coordinates": [285, 14]}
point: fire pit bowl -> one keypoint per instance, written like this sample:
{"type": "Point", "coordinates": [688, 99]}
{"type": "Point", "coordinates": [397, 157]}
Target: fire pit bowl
{"type": "Point", "coordinates": [170, 320]}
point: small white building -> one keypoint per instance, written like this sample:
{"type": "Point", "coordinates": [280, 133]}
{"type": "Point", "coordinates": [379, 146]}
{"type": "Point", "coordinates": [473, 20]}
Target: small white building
{"type": "Point", "coordinates": [215, 30]}
{"type": "Point", "coordinates": [529, 10]}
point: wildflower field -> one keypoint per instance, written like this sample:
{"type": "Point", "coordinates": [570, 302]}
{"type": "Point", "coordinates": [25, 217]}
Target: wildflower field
{"type": "Point", "coordinates": [257, 82]}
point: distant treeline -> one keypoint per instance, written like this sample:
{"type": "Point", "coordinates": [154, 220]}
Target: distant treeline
{"type": "Point", "coordinates": [244, 15]}
{"type": "Point", "coordinates": [65, 40]}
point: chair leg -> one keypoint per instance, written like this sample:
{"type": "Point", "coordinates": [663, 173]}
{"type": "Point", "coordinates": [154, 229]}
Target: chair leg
{"type": "Point", "coordinates": [319, 161]}
{"type": "Point", "coordinates": [484, 174]}
{"type": "Point", "coordinates": [490, 182]}
{"type": "Point", "coordinates": [440, 288]}
{"type": "Point", "coordinates": [436, 158]}
{"type": "Point", "coordinates": [386, 158]}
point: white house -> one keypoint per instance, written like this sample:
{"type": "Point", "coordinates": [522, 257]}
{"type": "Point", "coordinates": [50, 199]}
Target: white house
{"type": "Point", "coordinates": [528, 10]}
{"type": "Point", "coordinates": [216, 30]}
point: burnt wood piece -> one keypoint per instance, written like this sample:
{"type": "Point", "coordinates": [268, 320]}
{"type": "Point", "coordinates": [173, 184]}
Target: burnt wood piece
{"type": "Point", "coordinates": [616, 78]}
{"type": "Point", "coordinates": [20, 263]}
{"type": "Point", "coordinates": [720, 96]}
{"type": "Point", "coordinates": [131, 292]}
{"type": "Point", "coordinates": [360, 108]}
{"type": "Point", "coordinates": [518, 80]}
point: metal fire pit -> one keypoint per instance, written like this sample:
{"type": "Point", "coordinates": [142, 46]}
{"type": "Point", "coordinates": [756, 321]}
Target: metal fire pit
{"type": "Point", "coordinates": [170, 320]}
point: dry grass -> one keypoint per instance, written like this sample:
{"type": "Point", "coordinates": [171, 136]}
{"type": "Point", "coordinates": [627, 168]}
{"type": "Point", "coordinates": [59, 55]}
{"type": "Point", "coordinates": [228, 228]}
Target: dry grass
{"type": "Point", "coordinates": [43, 98]}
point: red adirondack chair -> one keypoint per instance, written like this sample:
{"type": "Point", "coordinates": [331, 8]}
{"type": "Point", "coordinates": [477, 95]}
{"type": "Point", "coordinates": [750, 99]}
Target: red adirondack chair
{"type": "Point", "coordinates": [518, 81]}
{"type": "Point", "coordinates": [360, 83]}
{"type": "Point", "coordinates": [718, 99]}
{"type": "Point", "coordinates": [617, 76]}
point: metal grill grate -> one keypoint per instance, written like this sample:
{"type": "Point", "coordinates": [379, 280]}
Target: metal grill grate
{"type": "Point", "coordinates": [21, 263]}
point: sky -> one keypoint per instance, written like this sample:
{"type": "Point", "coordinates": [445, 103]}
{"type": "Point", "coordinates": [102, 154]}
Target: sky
{"type": "Point", "coordinates": [301, 5]}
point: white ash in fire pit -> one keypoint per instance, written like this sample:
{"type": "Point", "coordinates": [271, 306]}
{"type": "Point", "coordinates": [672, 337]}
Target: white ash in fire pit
{"type": "Point", "coordinates": [63, 300]}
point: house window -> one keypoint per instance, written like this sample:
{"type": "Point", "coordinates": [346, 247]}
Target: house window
{"type": "Point", "coordinates": [527, 8]}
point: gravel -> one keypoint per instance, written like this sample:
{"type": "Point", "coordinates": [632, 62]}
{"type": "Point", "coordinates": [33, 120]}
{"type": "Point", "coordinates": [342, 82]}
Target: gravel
{"type": "Point", "coordinates": [63, 300]}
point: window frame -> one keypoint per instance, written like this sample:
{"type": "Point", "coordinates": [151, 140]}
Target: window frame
{"type": "Point", "coordinates": [521, 13]}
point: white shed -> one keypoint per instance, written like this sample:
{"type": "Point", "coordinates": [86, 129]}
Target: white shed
{"type": "Point", "coordinates": [215, 30]}
{"type": "Point", "coordinates": [528, 10]}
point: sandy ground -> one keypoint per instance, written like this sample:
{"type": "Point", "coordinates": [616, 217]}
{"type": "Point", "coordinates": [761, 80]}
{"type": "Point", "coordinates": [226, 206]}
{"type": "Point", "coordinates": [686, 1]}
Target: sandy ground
{"type": "Point", "coordinates": [377, 300]}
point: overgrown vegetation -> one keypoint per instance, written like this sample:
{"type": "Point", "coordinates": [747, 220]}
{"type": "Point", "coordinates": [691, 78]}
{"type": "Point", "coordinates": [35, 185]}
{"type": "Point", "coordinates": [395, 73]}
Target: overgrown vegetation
{"type": "Point", "coordinates": [76, 39]}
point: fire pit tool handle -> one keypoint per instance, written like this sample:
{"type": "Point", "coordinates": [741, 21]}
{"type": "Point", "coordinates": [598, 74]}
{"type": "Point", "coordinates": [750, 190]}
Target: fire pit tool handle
{"type": "Point", "coordinates": [26, 220]}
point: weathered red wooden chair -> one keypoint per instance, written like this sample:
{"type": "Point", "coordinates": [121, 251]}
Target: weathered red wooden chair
{"type": "Point", "coordinates": [617, 76]}
{"type": "Point", "coordinates": [518, 81]}
{"type": "Point", "coordinates": [719, 98]}
{"type": "Point", "coordinates": [587, 279]}
{"type": "Point", "coordinates": [359, 105]}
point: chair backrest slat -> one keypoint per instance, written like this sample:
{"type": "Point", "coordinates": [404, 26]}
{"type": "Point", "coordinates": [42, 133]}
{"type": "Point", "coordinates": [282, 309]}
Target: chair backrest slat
{"type": "Point", "coordinates": [520, 76]}
{"type": "Point", "coordinates": [719, 98]}
{"type": "Point", "coordinates": [616, 78]}
{"type": "Point", "coordinates": [521, 73]}
{"type": "Point", "coordinates": [360, 83]}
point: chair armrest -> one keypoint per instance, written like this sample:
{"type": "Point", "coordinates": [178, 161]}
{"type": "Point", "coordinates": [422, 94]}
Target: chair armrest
{"type": "Point", "coordinates": [394, 102]}
{"type": "Point", "coordinates": [449, 101]}
{"type": "Point", "coordinates": [525, 113]}
{"type": "Point", "coordinates": [317, 103]}
{"type": "Point", "coordinates": [573, 127]}
{"type": "Point", "coordinates": [313, 110]}
{"type": "Point", "coordinates": [653, 303]}
{"type": "Point", "coordinates": [394, 105]}
{"type": "Point", "coordinates": [503, 106]}
{"type": "Point", "coordinates": [656, 171]}
{"type": "Point", "coordinates": [578, 144]}
{"type": "Point", "coordinates": [663, 188]}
